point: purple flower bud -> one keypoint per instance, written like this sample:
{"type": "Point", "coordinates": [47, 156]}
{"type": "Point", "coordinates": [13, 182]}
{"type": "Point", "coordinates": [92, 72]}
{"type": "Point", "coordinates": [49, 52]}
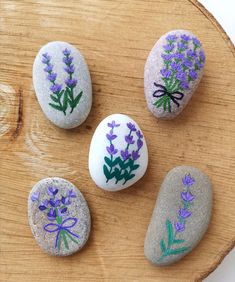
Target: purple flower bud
{"type": "Point", "coordinates": [198, 64]}
{"type": "Point", "coordinates": [193, 74]}
{"type": "Point", "coordinates": [179, 56]}
{"type": "Point", "coordinates": [54, 203]}
{"type": "Point", "coordinates": [71, 194]}
{"type": "Point", "coordinates": [35, 196]}
{"type": "Point", "coordinates": [179, 226]}
{"type": "Point", "coordinates": [191, 54]}
{"type": "Point", "coordinates": [125, 154]}
{"type": "Point", "coordinates": [131, 126]}
{"type": "Point", "coordinates": [166, 73]}
{"type": "Point", "coordinates": [111, 137]}
{"type": "Point", "coordinates": [187, 196]}
{"type": "Point", "coordinates": [46, 58]}
{"type": "Point", "coordinates": [184, 85]}
{"type": "Point", "coordinates": [70, 69]}
{"type": "Point", "coordinates": [185, 37]}
{"type": "Point", "coordinates": [42, 207]}
{"type": "Point", "coordinates": [184, 213]}
{"type": "Point", "coordinates": [65, 200]}
{"type": "Point", "coordinates": [63, 210]}
{"type": "Point", "coordinates": [169, 47]}
{"type": "Point", "coordinates": [111, 150]}
{"type": "Point", "coordinates": [66, 52]}
{"type": "Point", "coordinates": [129, 139]}
{"type": "Point", "coordinates": [51, 215]}
{"type": "Point", "coordinates": [196, 41]}
{"type": "Point", "coordinates": [171, 37]}
{"type": "Point", "coordinates": [202, 56]}
{"type": "Point", "coordinates": [52, 77]}
{"type": "Point", "coordinates": [176, 67]}
{"type": "Point", "coordinates": [188, 180]}
{"type": "Point", "coordinates": [55, 88]}
{"type": "Point", "coordinates": [181, 76]}
{"type": "Point", "coordinates": [181, 46]}
{"type": "Point", "coordinates": [52, 191]}
{"type": "Point", "coordinates": [139, 134]}
{"type": "Point", "coordinates": [167, 57]}
{"type": "Point", "coordinates": [48, 68]}
{"type": "Point", "coordinates": [187, 63]}
{"type": "Point", "coordinates": [68, 60]}
{"type": "Point", "coordinates": [139, 144]}
{"type": "Point", "coordinates": [71, 82]}
{"type": "Point", "coordinates": [113, 124]}
{"type": "Point", "coordinates": [135, 155]}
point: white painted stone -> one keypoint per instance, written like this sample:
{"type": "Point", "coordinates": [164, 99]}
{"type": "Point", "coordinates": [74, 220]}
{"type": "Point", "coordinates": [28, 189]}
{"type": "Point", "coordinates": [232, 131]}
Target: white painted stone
{"type": "Point", "coordinates": [71, 111]}
{"type": "Point", "coordinates": [118, 175]}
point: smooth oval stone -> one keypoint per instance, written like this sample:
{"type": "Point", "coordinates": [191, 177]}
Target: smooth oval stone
{"type": "Point", "coordinates": [58, 216]}
{"type": "Point", "coordinates": [118, 154]}
{"type": "Point", "coordinates": [180, 217]}
{"type": "Point", "coordinates": [172, 73]}
{"type": "Point", "coordinates": [62, 84]}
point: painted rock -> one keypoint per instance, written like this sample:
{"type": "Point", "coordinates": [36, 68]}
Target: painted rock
{"type": "Point", "coordinates": [58, 216]}
{"type": "Point", "coordinates": [118, 154]}
{"type": "Point", "coordinates": [180, 217]}
{"type": "Point", "coordinates": [172, 73]}
{"type": "Point", "coordinates": [62, 84]}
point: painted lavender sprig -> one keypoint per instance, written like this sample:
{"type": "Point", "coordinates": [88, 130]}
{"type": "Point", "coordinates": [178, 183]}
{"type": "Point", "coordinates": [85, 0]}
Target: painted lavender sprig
{"type": "Point", "coordinates": [181, 67]}
{"type": "Point", "coordinates": [169, 248]}
{"type": "Point", "coordinates": [123, 166]}
{"type": "Point", "coordinates": [62, 98]}
{"type": "Point", "coordinates": [56, 210]}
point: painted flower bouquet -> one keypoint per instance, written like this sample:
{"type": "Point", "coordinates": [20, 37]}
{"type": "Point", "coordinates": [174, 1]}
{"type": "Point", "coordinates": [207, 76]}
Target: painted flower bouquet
{"type": "Point", "coordinates": [121, 165]}
{"type": "Point", "coordinates": [57, 212]}
{"type": "Point", "coordinates": [61, 99]}
{"type": "Point", "coordinates": [170, 247]}
{"type": "Point", "coordinates": [181, 66]}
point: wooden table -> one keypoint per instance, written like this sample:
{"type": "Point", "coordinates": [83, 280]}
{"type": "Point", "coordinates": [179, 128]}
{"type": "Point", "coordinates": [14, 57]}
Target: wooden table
{"type": "Point", "coordinates": [115, 38]}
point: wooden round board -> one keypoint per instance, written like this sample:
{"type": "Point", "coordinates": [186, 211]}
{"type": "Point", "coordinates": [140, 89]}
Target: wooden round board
{"type": "Point", "coordinates": [115, 38]}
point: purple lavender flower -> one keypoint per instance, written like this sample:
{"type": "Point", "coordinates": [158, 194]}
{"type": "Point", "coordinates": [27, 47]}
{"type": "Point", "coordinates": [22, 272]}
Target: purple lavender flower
{"type": "Point", "coordinates": [42, 207]}
{"type": "Point", "coordinates": [193, 74]}
{"type": "Point", "coordinates": [71, 194]}
{"type": "Point", "coordinates": [181, 76]}
{"type": "Point", "coordinates": [196, 41]}
{"type": "Point", "coordinates": [111, 150]}
{"type": "Point", "coordinates": [202, 56]}
{"type": "Point", "coordinates": [129, 139]}
{"type": "Point", "coordinates": [187, 63]}
{"type": "Point", "coordinates": [65, 200]}
{"type": "Point", "coordinates": [184, 85]}
{"type": "Point", "coordinates": [166, 73]}
{"type": "Point", "coordinates": [139, 144]}
{"type": "Point", "coordinates": [48, 68]}
{"type": "Point", "coordinates": [179, 56]}
{"type": "Point", "coordinates": [191, 54]}
{"type": "Point", "coordinates": [54, 203]}
{"type": "Point", "coordinates": [184, 213]}
{"type": "Point", "coordinates": [131, 126]}
{"type": "Point", "coordinates": [176, 67]}
{"type": "Point", "coordinates": [139, 134]}
{"type": "Point", "coordinates": [52, 191]}
{"type": "Point", "coordinates": [135, 155]}
{"type": "Point", "coordinates": [187, 196]}
{"type": "Point", "coordinates": [46, 58]}
{"type": "Point", "coordinates": [181, 46]}
{"type": "Point", "coordinates": [113, 124]}
{"type": "Point", "coordinates": [179, 226]}
{"type": "Point", "coordinates": [125, 154]}
{"type": "Point", "coordinates": [56, 88]}
{"type": "Point", "coordinates": [198, 64]}
{"type": "Point", "coordinates": [51, 215]}
{"type": "Point", "coordinates": [68, 60]}
{"type": "Point", "coordinates": [167, 57]}
{"type": "Point", "coordinates": [188, 180]}
{"type": "Point", "coordinates": [66, 52]}
{"type": "Point", "coordinates": [35, 196]}
{"type": "Point", "coordinates": [52, 77]}
{"type": "Point", "coordinates": [70, 69]}
{"type": "Point", "coordinates": [71, 82]}
{"type": "Point", "coordinates": [171, 37]}
{"type": "Point", "coordinates": [185, 37]}
{"type": "Point", "coordinates": [111, 136]}
{"type": "Point", "coordinates": [169, 47]}
{"type": "Point", "coordinates": [62, 211]}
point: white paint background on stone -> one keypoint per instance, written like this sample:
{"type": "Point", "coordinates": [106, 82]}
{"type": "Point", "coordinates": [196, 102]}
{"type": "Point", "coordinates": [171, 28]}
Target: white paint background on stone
{"type": "Point", "coordinates": [98, 152]}
{"type": "Point", "coordinates": [42, 85]}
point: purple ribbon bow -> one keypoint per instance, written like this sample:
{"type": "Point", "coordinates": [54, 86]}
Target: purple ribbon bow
{"type": "Point", "coordinates": [53, 227]}
{"type": "Point", "coordinates": [174, 96]}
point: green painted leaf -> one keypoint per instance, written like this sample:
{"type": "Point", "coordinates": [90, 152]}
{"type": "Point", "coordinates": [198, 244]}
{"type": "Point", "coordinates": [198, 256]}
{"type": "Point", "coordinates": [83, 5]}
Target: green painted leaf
{"type": "Point", "coordinates": [106, 172]}
{"type": "Point", "coordinates": [65, 101]}
{"type": "Point", "coordinates": [177, 251]}
{"type": "Point", "coordinates": [108, 161]}
{"type": "Point", "coordinates": [124, 165]}
{"type": "Point", "coordinates": [162, 246]}
{"type": "Point", "coordinates": [117, 161]}
{"type": "Point", "coordinates": [56, 107]}
{"type": "Point", "coordinates": [70, 95]}
{"type": "Point", "coordinates": [54, 98]}
{"type": "Point", "coordinates": [159, 102]}
{"type": "Point", "coordinates": [117, 174]}
{"type": "Point", "coordinates": [130, 176]}
{"type": "Point", "coordinates": [178, 241]}
{"type": "Point", "coordinates": [77, 99]}
{"type": "Point", "coordinates": [170, 234]}
{"type": "Point", "coordinates": [134, 167]}
{"type": "Point", "coordinates": [60, 94]}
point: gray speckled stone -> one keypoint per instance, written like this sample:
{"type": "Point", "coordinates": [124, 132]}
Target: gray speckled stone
{"type": "Point", "coordinates": [172, 73]}
{"type": "Point", "coordinates": [62, 84]}
{"type": "Point", "coordinates": [58, 216]}
{"type": "Point", "coordinates": [180, 217]}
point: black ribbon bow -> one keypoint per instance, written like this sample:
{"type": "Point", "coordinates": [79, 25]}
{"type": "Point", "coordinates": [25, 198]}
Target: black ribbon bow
{"type": "Point", "coordinates": [174, 96]}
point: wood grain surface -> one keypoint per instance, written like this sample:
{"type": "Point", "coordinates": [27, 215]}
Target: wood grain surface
{"type": "Point", "coordinates": [115, 38]}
